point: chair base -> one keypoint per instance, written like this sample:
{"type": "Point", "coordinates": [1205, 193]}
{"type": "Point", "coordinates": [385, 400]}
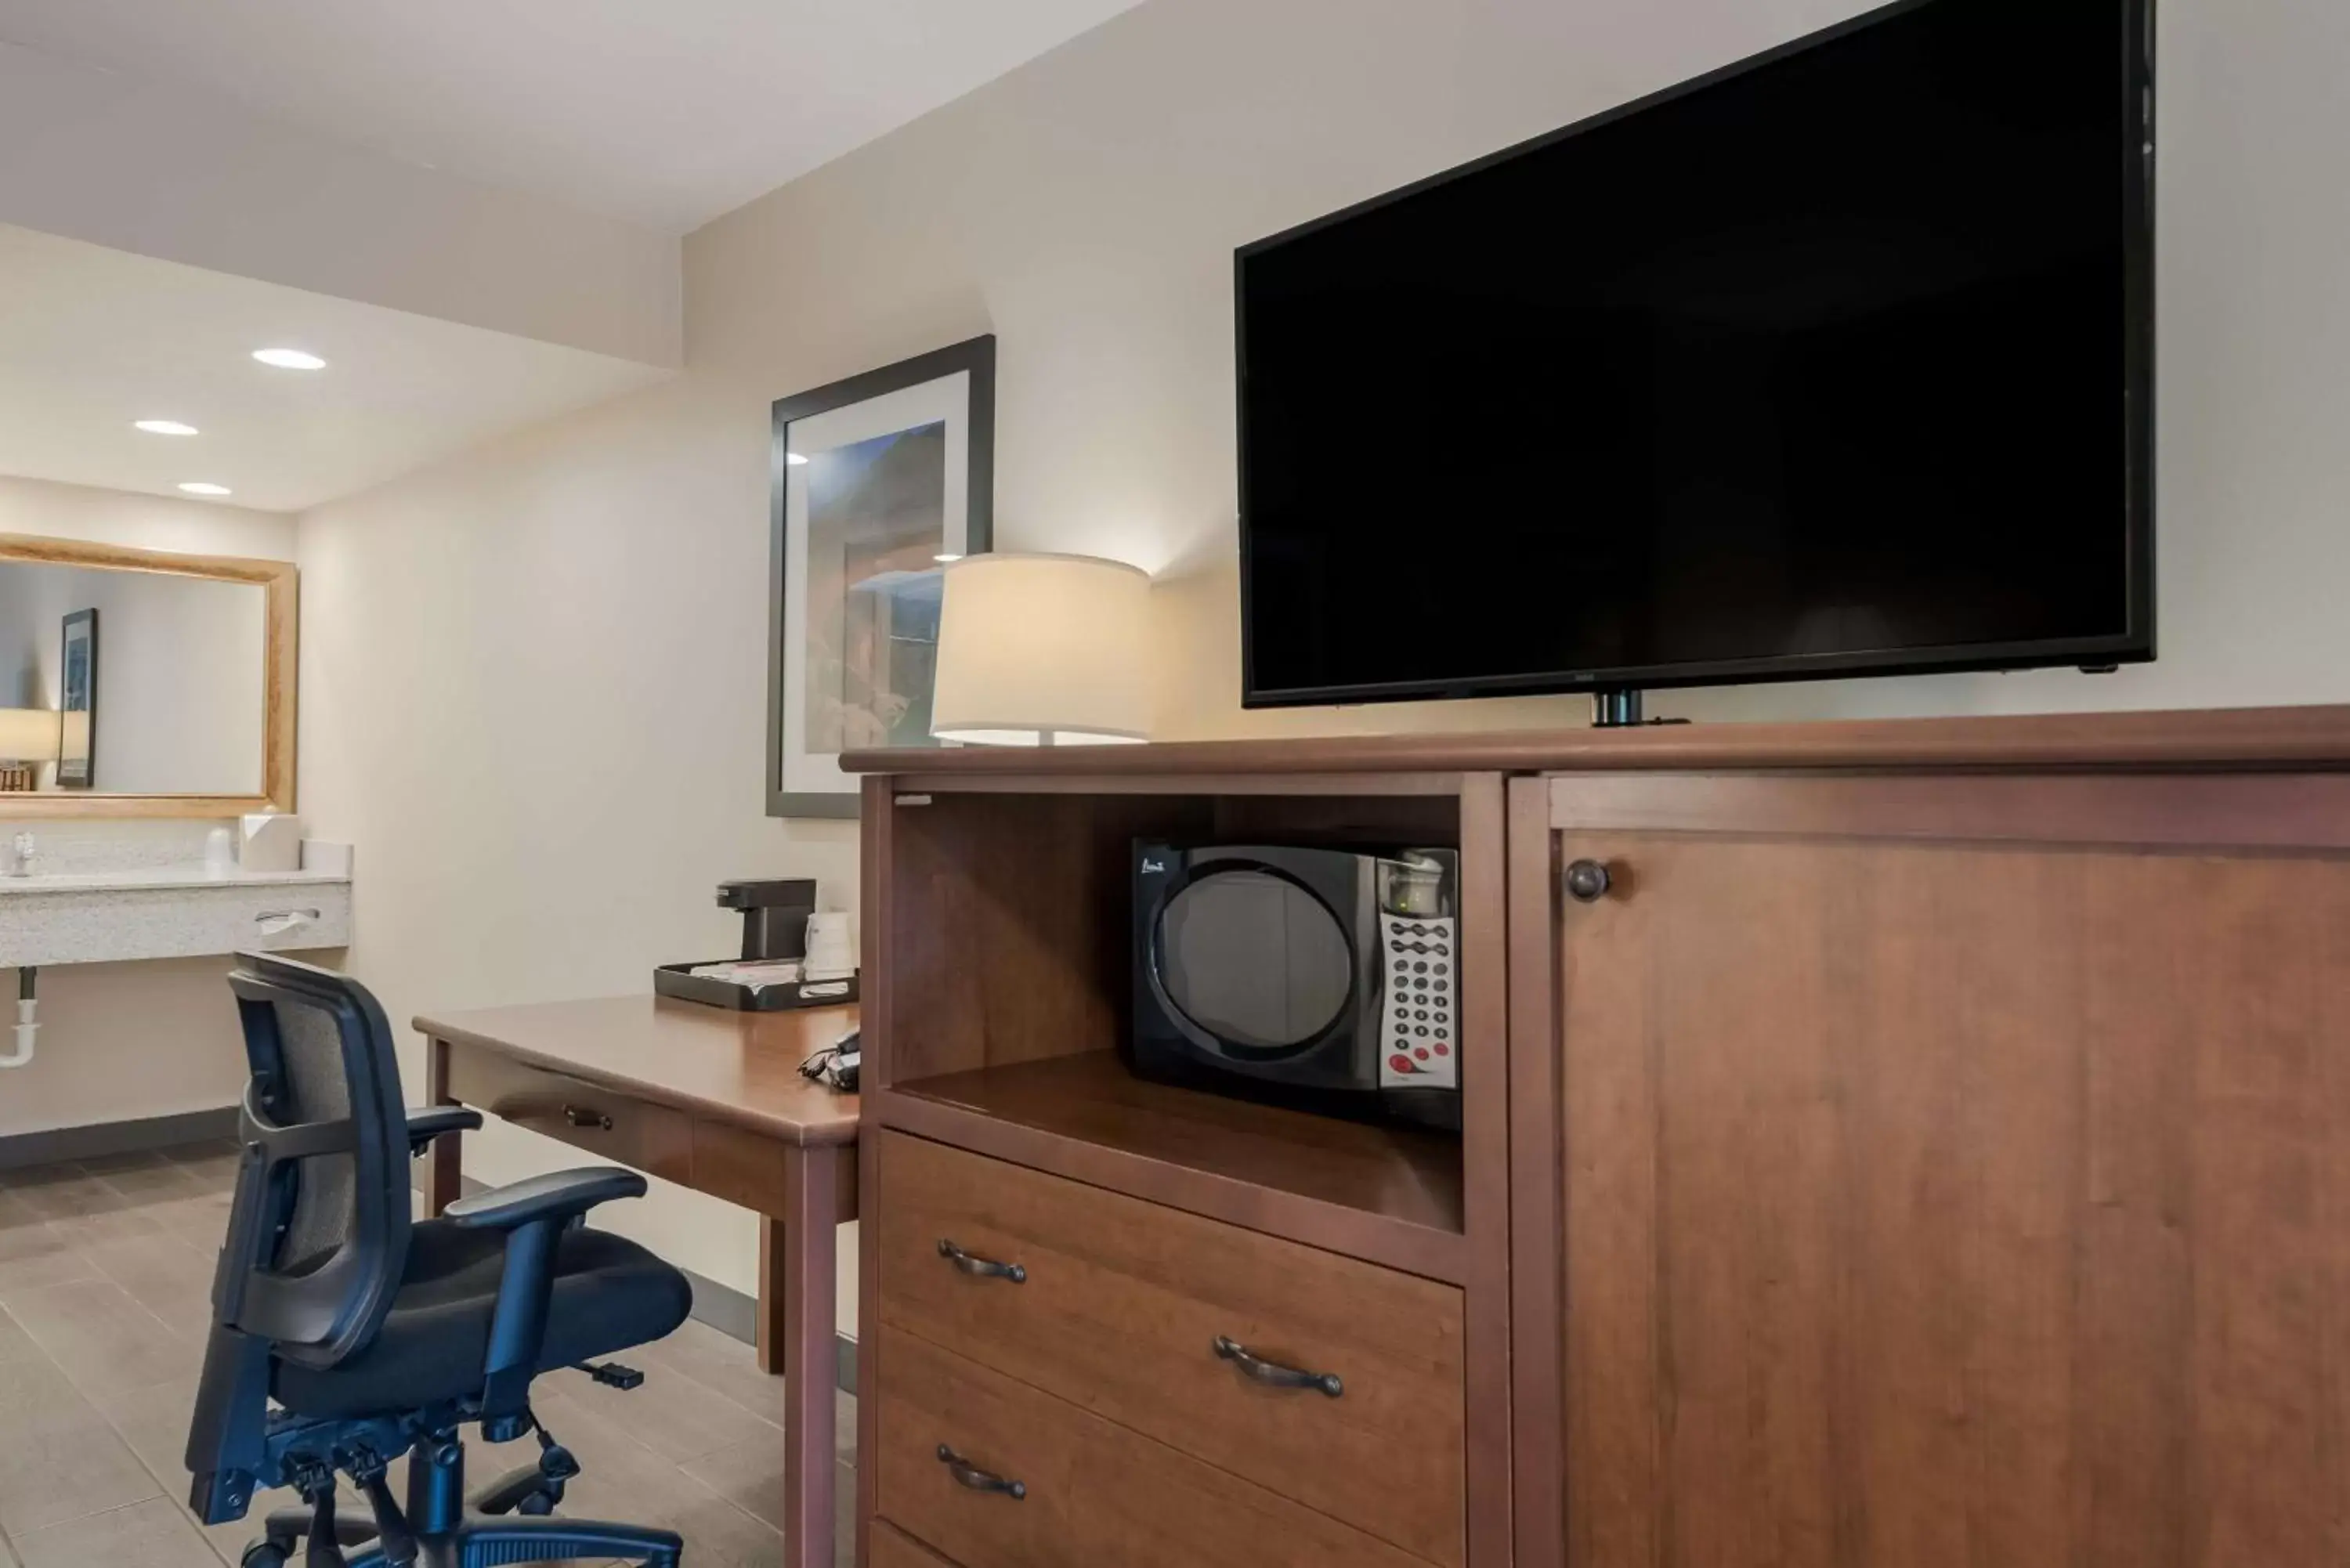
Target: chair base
{"type": "Point", "coordinates": [486, 1534]}
{"type": "Point", "coordinates": [489, 1542]}
{"type": "Point", "coordinates": [483, 1542]}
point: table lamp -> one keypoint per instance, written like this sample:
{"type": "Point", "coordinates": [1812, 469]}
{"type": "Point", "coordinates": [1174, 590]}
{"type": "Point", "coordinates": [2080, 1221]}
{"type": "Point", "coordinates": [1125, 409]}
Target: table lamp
{"type": "Point", "coordinates": [28, 737]}
{"type": "Point", "coordinates": [1042, 650]}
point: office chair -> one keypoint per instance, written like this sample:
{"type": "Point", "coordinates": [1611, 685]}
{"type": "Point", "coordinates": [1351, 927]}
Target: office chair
{"type": "Point", "coordinates": [345, 1335]}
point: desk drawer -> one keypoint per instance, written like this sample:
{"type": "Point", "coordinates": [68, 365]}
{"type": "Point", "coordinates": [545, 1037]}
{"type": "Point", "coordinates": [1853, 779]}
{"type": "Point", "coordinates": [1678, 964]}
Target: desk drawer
{"type": "Point", "coordinates": [650, 1139]}
{"type": "Point", "coordinates": [1120, 1310]}
{"type": "Point", "coordinates": [1094, 1493]}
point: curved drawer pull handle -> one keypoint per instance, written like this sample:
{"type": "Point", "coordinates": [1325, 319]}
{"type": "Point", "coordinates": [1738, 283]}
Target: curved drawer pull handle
{"type": "Point", "coordinates": [981, 1268]}
{"type": "Point", "coordinates": [970, 1475]}
{"type": "Point", "coordinates": [579, 1118]}
{"type": "Point", "coordinates": [277, 922]}
{"type": "Point", "coordinates": [1272, 1375]}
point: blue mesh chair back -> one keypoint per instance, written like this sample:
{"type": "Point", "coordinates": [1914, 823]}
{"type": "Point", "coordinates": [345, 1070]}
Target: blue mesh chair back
{"type": "Point", "coordinates": [320, 1230]}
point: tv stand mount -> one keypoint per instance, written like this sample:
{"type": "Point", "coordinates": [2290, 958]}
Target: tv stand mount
{"type": "Point", "coordinates": [1618, 708]}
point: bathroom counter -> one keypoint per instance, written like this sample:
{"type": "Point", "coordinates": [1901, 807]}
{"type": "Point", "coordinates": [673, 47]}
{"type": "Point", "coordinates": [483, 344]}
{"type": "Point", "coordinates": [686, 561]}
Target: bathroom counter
{"type": "Point", "coordinates": [157, 876]}
{"type": "Point", "coordinates": [125, 914]}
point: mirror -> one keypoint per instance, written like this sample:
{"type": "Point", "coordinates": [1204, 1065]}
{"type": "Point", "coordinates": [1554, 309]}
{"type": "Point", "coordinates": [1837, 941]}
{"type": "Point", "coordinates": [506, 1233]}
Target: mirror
{"type": "Point", "coordinates": [141, 682]}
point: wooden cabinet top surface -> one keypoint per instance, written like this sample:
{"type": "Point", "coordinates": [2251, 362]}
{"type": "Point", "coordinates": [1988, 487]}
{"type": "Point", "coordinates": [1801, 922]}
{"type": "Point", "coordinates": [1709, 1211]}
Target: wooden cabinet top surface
{"type": "Point", "coordinates": [2313, 737]}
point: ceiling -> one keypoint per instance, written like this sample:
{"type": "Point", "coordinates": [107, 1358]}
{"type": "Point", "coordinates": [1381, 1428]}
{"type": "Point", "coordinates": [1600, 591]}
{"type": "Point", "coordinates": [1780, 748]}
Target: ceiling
{"type": "Point", "coordinates": [668, 112]}
{"type": "Point", "coordinates": [92, 338]}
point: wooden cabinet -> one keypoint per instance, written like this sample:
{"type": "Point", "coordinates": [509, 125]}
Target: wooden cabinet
{"type": "Point", "coordinates": [957, 1440]}
{"type": "Point", "coordinates": [1934, 1170]}
{"type": "Point", "coordinates": [1906, 1145]}
{"type": "Point", "coordinates": [1150, 1222]}
{"type": "Point", "coordinates": [1120, 1306]}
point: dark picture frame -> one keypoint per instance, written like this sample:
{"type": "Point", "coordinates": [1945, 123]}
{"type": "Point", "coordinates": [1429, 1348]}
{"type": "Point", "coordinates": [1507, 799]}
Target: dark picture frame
{"type": "Point", "coordinates": [78, 693]}
{"type": "Point", "coordinates": [898, 476]}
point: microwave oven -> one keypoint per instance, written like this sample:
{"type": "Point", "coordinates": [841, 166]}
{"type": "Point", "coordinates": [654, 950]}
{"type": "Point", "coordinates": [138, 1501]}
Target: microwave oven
{"type": "Point", "coordinates": [1324, 979]}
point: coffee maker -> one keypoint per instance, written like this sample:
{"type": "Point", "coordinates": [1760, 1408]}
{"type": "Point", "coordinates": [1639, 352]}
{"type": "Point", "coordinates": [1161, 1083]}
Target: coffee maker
{"type": "Point", "coordinates": [768, 977]}
{"type": "Point", "coordinates": [774, 916]}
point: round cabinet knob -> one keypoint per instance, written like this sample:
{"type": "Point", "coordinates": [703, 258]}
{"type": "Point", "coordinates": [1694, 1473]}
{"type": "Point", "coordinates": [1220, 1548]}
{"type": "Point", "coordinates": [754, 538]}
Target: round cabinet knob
{"type": "Point", "coordinates": [1587, 881]}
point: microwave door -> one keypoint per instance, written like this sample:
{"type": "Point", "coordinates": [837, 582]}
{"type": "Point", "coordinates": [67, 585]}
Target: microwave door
{"type": "Point", "coordinates": [1370, 970]}
{"type": "Point", "coordinates": [1253, 964]}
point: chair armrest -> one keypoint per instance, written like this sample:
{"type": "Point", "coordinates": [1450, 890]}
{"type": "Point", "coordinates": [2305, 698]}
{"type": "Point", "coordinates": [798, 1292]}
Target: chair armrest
{"type": "Point", "coordinates": [426, 1123]}
{"type": "Point", "coordinates": [533, 1214]}
{"type": "Point", "coordinates": [558, 1194]}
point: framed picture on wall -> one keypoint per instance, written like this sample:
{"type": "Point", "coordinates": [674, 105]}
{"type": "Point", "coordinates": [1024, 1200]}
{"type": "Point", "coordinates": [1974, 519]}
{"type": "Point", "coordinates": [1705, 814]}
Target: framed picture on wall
{"type": "Point", "coordinates": [78, 703]}
{"type": "Point", "coordinates": [880, 481]}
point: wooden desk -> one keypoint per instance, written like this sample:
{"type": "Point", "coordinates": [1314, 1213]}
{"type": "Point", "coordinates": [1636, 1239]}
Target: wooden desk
{"type": "Point", "coordinates": [711, 1100]}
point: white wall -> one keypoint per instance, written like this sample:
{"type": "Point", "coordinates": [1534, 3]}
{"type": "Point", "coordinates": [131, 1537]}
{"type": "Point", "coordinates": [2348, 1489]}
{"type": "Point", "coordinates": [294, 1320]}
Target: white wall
{"type": "Point", "coordinates": [174, 172]}
{"type": "Point", "coordinates": [121, 1042]}
{"type": "Point", "coordinates": [532, 695]}
{"type": "Point", "coordinates": [532, 677]}
{"type": "Point", "coordinates": [47, 510]}
{"type": "Point", "coordinates": [1086, 208]}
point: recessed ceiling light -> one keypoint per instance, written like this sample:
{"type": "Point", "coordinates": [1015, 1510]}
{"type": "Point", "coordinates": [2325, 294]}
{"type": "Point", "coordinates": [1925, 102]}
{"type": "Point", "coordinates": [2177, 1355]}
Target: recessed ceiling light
{"type": "Point", "coordinates": [946, 560]}
{"type": "Point", "coordinates": [163, 427]}
{"type": "Point", "coordinates": [796, 459]}
{"type": "Point", "coordinates": [289, 358]}
{"type": "Point", "coordinates": [205, 487]}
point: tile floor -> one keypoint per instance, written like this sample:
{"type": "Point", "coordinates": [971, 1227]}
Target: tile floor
{"type": "Point", "coordinates": [105, 1281]}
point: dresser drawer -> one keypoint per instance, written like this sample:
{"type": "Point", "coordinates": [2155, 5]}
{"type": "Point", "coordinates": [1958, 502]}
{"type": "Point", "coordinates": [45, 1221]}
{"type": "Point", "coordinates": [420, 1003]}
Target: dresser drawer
{"type": "Point", "coordinates": [650, 1139]}
{"type": "Point", "coordinates": [1094, 1493]}
{"type": "Point", "coordinates": [1120, 1309]}
{"type": "Point", "coordinates": [888, 1547]}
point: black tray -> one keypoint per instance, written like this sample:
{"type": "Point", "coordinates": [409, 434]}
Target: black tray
{"type": "Point", "coordinates": [678, 980]}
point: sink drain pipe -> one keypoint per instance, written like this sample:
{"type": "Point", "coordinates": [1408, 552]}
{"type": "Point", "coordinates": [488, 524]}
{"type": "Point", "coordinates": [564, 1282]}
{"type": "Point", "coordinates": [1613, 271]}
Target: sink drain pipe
{"type": "Point", "coordinates": [27, 1027]}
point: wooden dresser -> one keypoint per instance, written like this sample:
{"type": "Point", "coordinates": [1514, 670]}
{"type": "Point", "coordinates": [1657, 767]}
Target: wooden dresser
{"type": "Point", "coordinates": [1886, 1144]}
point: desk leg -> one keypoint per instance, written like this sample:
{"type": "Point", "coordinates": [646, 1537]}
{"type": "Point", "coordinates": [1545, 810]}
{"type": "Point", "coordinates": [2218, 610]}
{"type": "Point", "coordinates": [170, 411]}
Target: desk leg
{"type": "Point", "coordinates": [443, 1180]}
{"type": "Point", "coordinates": [801, 1315]}
{"type": "Point", "coordinates": [775, 1246]}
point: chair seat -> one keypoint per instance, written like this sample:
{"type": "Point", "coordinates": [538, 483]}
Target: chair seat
{"type": "Point", "coordinates": [609, 1294]}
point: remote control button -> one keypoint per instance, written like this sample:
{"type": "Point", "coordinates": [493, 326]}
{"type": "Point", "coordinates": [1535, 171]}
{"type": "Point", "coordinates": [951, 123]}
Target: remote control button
{"type": "Point", "coordinates": [1400, 1062]}
{"type": "Point", "coordinates": [1442, 1049]}
{"type": "Point", "coordinates": [1423, 1054]}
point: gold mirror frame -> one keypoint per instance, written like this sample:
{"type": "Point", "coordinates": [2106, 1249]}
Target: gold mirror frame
{"type": "Point", "coordinates": [279, 581]}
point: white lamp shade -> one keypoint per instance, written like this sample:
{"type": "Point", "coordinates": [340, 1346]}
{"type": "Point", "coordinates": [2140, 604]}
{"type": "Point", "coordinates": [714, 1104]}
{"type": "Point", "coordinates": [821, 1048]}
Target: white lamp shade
{"type": "Point", "coordinates": [1041, 650]}
{"type": "Point", "coordinates": [29, 736]}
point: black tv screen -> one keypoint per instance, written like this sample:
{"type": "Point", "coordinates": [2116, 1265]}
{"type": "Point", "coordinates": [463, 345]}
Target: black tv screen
{"type": "Point", "coordinates": [1836, 362]}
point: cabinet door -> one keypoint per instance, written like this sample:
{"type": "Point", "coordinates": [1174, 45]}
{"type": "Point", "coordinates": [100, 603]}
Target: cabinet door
{"type": "Point", "coordinates": [1918, 1201]}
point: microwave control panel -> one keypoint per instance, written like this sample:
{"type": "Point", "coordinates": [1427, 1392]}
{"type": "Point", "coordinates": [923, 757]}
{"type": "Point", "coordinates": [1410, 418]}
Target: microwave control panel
{"type": "Point", "coordinates": [1420, 1046]}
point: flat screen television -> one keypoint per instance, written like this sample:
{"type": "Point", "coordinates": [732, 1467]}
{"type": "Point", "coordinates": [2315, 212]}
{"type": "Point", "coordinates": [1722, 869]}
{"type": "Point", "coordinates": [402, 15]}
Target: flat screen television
{"type": "Point", "coordinates": [1836, 362]}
